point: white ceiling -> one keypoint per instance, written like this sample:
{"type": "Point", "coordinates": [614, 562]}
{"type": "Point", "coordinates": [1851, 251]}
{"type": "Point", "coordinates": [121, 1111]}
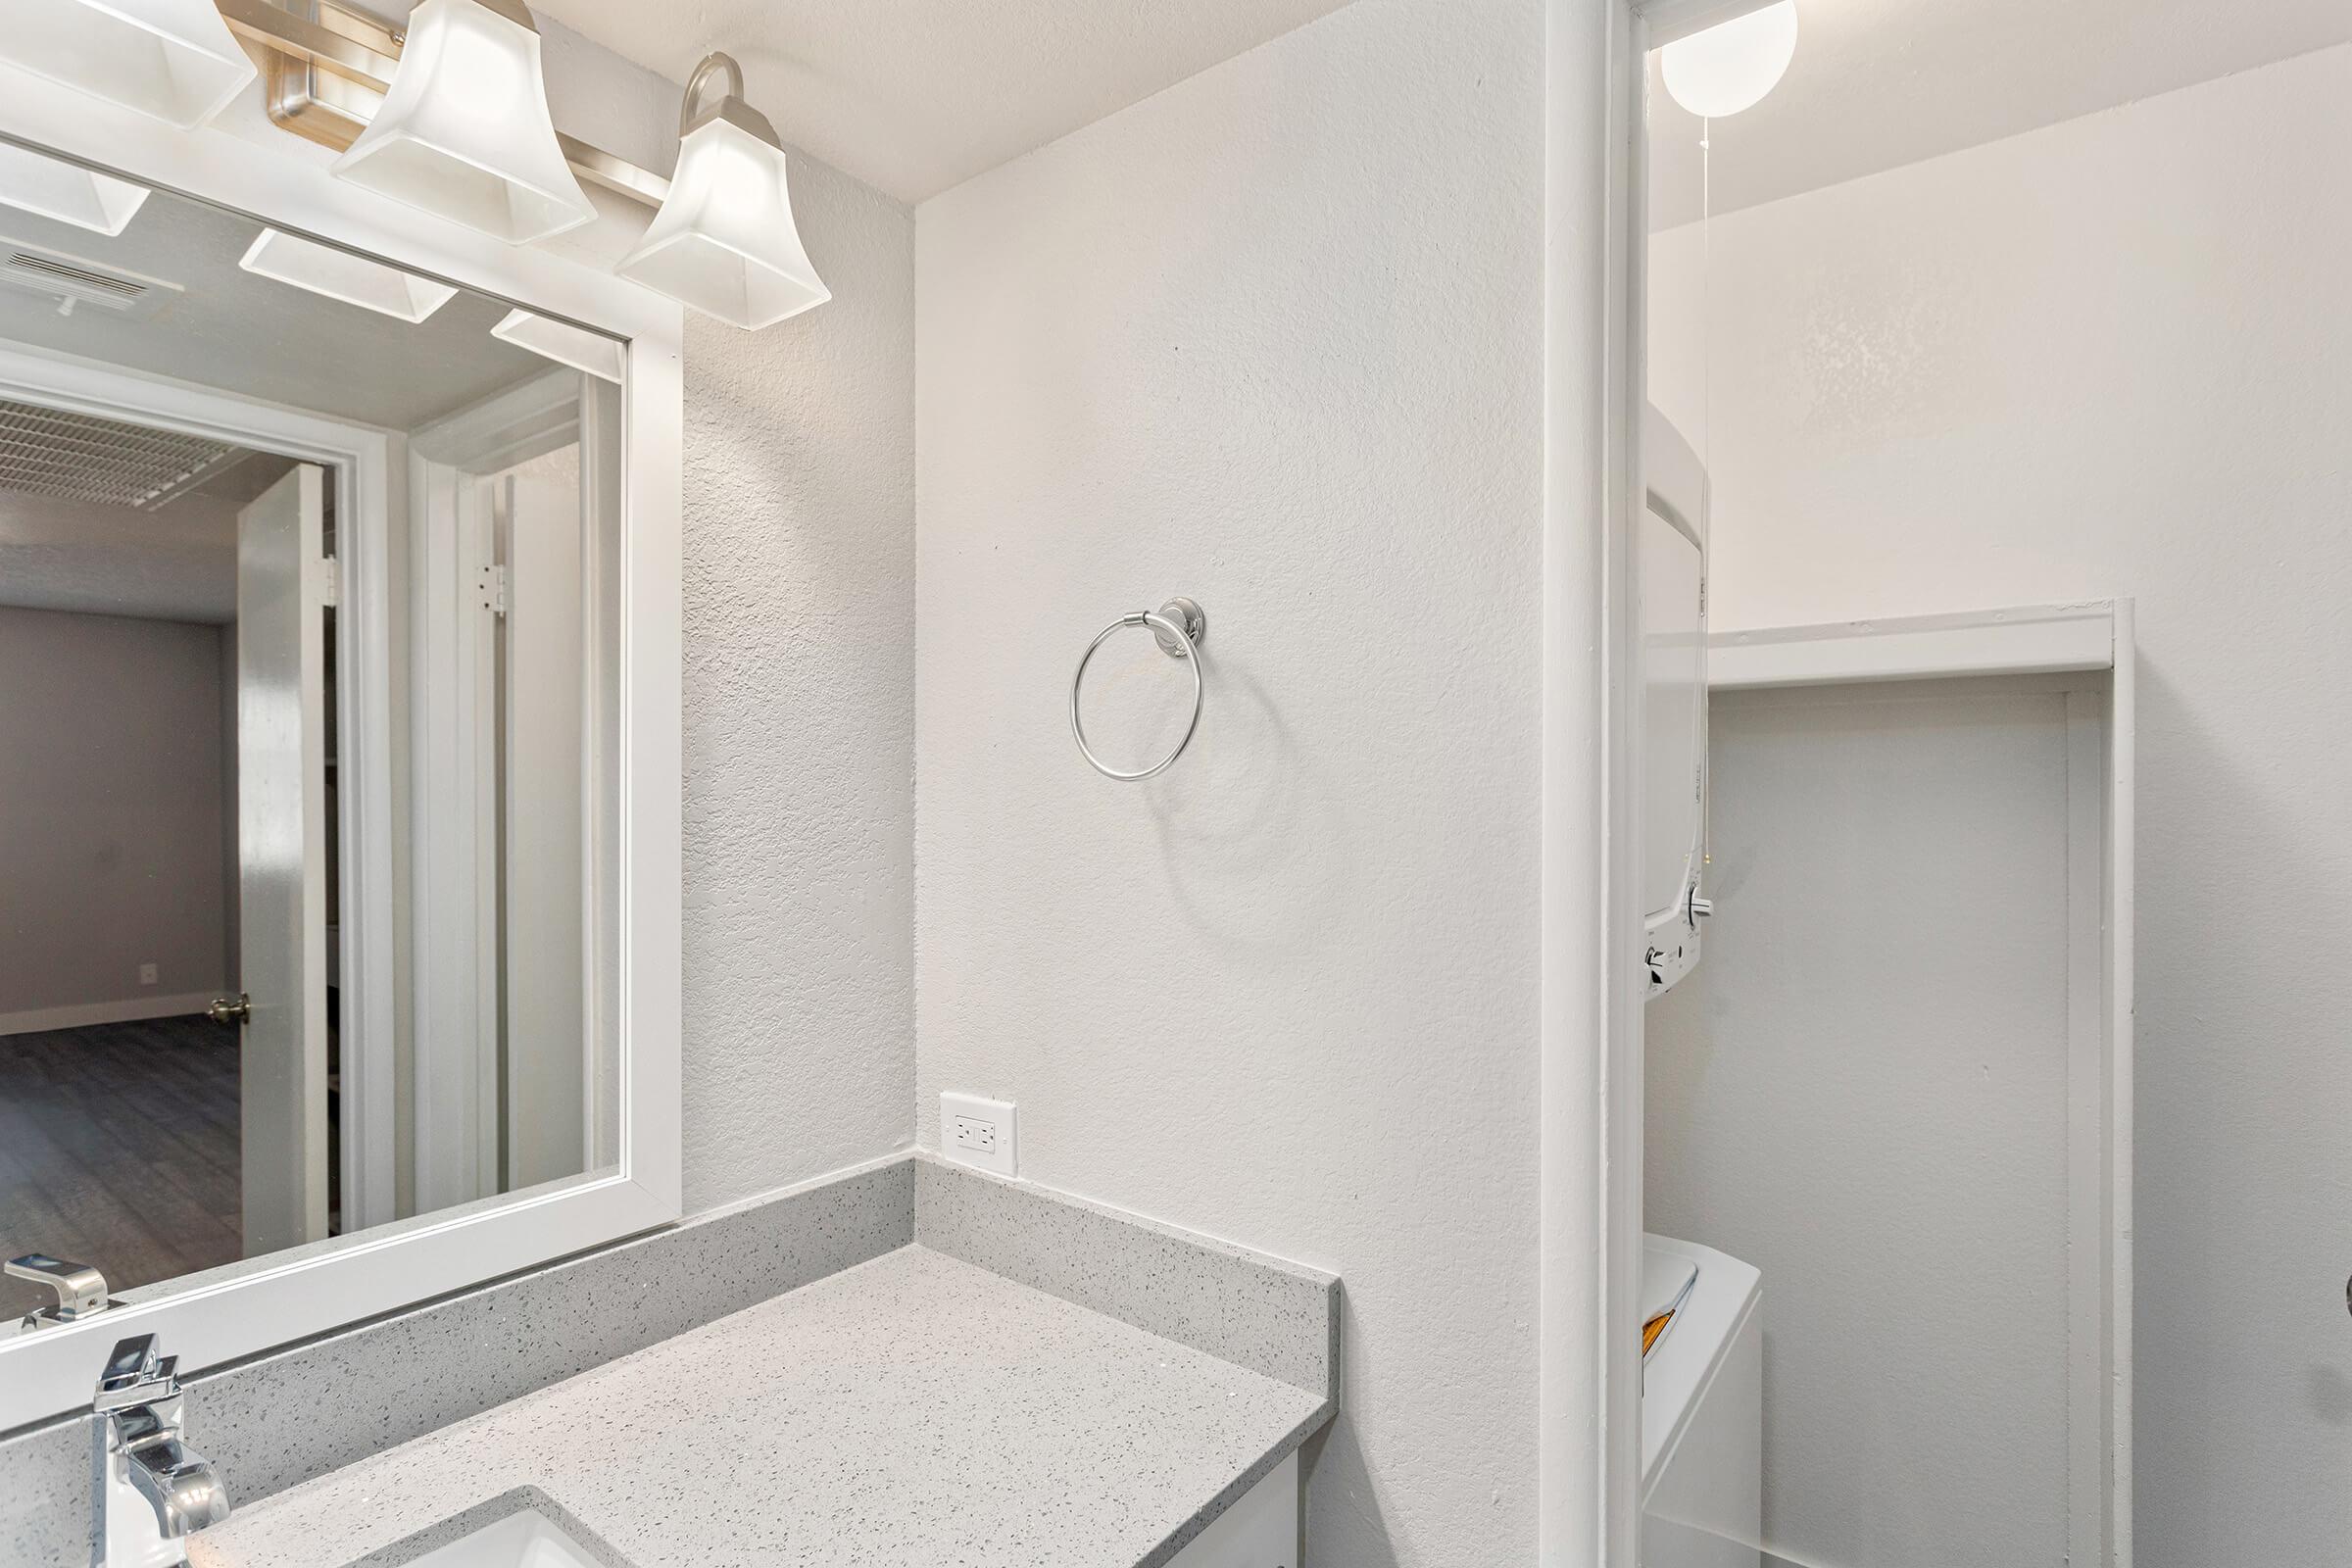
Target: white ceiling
{"type": "Point", "coordinates": [256, 336]}
{"type": "Point", "coordinates": [1880, 83]}
{"type": "Point", "coordinates": [913, 97]}
{"type": "Point", "coordinates": [242, 333]}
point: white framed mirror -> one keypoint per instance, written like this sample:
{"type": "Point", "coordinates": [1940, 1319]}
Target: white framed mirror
{"type": "Point", "coordinates": [339, 577]}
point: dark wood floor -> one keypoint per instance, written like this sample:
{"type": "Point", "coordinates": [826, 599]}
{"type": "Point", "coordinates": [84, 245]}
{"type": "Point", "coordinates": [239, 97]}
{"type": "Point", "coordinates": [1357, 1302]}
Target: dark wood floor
{"type": "Point", "coordinates": [119, 1148]}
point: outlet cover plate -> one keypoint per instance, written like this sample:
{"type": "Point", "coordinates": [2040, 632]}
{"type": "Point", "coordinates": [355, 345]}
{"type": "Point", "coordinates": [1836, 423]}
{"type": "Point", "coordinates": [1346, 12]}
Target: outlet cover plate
{"type": "Point", "coordinates": [981, 1133]}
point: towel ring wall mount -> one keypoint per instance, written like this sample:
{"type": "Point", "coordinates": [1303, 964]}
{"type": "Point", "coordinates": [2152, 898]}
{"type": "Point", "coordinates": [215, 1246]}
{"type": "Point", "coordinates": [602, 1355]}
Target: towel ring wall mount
{"type": "Point", "coordinates": [1178, 626]}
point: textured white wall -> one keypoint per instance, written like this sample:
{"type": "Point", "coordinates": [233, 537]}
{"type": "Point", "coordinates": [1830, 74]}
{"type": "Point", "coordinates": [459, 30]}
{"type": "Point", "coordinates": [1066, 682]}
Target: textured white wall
{"type": "Point", "coordinates": [1271, 338]}
{"type": "Point", "coordinates": [110, 808]}
{"type": "Point", "coordinates": [800, 716]}
{"type": "Point", "coordinates": [2113, 357]}
{"type": "Point", "coordinates": [799, 942]}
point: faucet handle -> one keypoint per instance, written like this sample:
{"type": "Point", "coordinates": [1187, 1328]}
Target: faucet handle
{"type": "Point", "coordinates": [136, 1373]}
{"type": "Point", "coordinates": [81, 1289]}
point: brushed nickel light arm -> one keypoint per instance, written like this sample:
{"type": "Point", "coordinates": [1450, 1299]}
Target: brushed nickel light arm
{"type": "Point", "coordinates": [329, 66]}
{"type": "Point", "coordinates": [716, 63]}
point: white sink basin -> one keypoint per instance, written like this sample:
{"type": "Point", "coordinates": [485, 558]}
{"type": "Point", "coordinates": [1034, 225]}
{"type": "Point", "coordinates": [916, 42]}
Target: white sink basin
{"type": "Point", "coordinates": [525, 1539]}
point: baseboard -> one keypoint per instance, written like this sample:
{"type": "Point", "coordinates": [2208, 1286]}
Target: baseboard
{"type": "Point", "coordinates": [135, 1010]}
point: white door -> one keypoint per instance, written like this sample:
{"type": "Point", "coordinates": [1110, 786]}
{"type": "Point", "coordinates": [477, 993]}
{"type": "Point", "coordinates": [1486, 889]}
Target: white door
{"type": "Point", "coordinates": [1673, 535]}
{"type": "Point", "coordinates": [282, 838]}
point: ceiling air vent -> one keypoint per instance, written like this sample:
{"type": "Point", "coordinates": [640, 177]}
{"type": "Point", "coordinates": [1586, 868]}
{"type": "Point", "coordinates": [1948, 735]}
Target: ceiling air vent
{"type": "Point", "coordinates": [67, 456]}
{"type": "Point", "coordinates": [72, 282]}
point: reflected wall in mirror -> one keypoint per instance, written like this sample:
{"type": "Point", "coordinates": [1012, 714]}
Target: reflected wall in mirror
{"type": "Point", "coordinates": [308, 801]}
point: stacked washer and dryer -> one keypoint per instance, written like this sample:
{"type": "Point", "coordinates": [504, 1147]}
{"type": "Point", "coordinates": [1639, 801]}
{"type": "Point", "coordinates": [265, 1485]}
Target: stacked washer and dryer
{"type": "Point", "coordinates": [1702, 1358]}
{"type": "Point", "coordinates": [1702, 1408]}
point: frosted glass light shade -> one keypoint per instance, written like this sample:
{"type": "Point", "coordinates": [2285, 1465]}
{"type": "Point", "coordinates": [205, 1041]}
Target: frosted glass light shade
{"type": "Point", "coordinates": [172, 59]}
{"type": "Point", "coordinates": [341, 275]}
{"type": "Point", "coordinates": [464, 131]}
{"type": "Point", "coordinates": [725, 242]}
{"type": "Point", "coordinates": [561, 342]}
{"type": "Point", "coordinates": [66, 192]}
{"type": "Point", "coordinates": [1732, 66]}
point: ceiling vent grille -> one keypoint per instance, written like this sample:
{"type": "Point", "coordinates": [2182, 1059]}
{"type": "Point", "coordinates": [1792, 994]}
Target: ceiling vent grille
{"type": "Point", "coordinates": [80, 456]}
{"type": "Point", "coordinates": [72, 282]}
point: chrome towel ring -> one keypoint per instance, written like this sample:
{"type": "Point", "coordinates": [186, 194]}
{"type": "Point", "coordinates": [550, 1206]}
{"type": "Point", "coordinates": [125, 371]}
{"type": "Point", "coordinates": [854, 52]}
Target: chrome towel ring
{"type": "Point", "coordinates": [1179, 625]}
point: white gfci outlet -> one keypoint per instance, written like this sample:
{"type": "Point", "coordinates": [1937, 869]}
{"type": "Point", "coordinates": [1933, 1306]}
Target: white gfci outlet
{"type": "Point", "coordinates": [979, 1132]}
{"type": "Point", "coordinates": [147, 975]}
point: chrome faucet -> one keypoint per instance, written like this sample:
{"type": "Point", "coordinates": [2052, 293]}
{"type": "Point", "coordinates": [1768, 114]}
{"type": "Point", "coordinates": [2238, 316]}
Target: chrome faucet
{"type": "Point", "coordinates": [151, 1490]}
{"type": "Point", "coordinates": [81, 1289]}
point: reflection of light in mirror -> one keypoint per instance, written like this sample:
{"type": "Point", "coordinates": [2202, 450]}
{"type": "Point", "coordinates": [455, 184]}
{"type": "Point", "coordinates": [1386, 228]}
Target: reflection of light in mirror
{"type": "Point", "coordinates": [1731, 66]}
{"type": "Point", "coordinates": [342, 275]}
{"type": "Point", "coordinates": [582, 349]}
{"type": "Point", "coordinates": [54, 188]}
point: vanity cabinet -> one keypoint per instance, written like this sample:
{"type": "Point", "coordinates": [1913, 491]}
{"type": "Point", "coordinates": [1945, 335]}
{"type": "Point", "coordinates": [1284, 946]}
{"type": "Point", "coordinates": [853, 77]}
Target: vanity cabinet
{"type": "Point", "coordinates": [1260, 1531]}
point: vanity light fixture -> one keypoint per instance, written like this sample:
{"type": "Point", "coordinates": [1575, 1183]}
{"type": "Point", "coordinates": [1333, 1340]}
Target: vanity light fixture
{"type": "Point", "coordinates": [1730, 66]}
{"type": "Point", "coordinates": [172, 59]}
{"type": "Point", "coordinates": [464, 131]}
{"type": "Point", "coordinates": [51, 187]}
{"type": "Point", "coordinates": [342, 275]}
{"type": "Point", "coordinates": [725, 240]}
{"type": "Point", "coordinates": [598, 355]}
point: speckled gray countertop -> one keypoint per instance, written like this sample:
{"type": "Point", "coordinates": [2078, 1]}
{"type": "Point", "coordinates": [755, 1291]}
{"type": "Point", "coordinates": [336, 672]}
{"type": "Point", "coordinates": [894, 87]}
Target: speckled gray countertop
{"type": "Point", "coordinates": [916, 1409]}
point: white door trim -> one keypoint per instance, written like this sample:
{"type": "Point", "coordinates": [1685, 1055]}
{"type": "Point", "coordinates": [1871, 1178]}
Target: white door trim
{"type": "Point", "coordinates": [362, 459]}
{"type": "Point", "coordinates": [454, 793]}
{"type": "Point", "coordinates": [1589, 1229]}
{"type": "Point", "coordinates": [2123, 1005]}
{"type": "Point", "coordinates": [2024, 640]}
{"type": "Point", "coordinates": [241, 162]}
{"type": "Point", "coordinates": [1589, 1121]}
{"type": "Point", "coordinates": [2093, 639]}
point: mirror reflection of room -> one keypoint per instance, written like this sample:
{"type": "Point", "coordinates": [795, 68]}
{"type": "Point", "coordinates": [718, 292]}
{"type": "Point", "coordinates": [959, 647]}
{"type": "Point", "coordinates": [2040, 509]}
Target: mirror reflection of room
{"type": "Point", "coordinates": [301, 588]}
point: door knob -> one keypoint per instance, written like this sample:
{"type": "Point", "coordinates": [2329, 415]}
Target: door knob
{"type": "Point", "coordinates": [230, 1009]}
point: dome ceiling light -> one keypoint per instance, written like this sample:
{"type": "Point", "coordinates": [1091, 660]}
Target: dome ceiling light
{"type": "Point", "coordinates": [1732, 66]}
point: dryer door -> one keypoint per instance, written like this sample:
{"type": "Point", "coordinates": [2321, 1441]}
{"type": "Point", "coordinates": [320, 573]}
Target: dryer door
{"type": "Point", "coordinates": [1674, 712]}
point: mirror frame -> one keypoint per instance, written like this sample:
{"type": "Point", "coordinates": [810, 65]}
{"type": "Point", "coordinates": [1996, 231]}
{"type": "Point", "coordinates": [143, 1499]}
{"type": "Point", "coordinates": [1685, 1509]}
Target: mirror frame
{"type": "Point", "coordinates": [243, 163]}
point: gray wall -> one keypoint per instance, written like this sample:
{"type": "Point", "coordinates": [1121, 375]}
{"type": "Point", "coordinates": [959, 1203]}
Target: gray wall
{"type": "Point", "coordinates": [2114, 357]}
{"type": "Point", "coordinates": [110, 808]}
{"type": "Point", "coordinates": [1862, 1091]}
{"type": "Point", "coordinates": [178, 563]}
